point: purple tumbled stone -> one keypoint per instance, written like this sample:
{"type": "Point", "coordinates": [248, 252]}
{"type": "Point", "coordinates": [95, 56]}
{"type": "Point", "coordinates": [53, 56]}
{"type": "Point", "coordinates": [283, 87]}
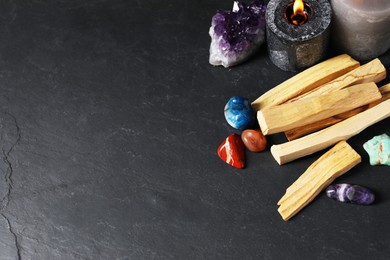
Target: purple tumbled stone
{"type": "Point", "coordinates": [237, 34]}
{"type": "Point", "coordinates": [350, 193]}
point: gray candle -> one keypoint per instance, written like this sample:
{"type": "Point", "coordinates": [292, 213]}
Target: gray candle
{"type": "Point", "coordinates": [297, 42]}
{"type": "Point", "coordinates": [361, 28]}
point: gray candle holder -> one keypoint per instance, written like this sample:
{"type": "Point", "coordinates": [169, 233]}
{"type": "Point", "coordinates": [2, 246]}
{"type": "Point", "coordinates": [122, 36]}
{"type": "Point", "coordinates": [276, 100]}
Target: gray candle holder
{"type": "Point", "coordinates": [297, 47]}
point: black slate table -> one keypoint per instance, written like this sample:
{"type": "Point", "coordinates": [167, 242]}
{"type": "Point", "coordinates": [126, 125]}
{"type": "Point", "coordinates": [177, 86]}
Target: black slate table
{"type": "Point", "coordinates": [110, 118]}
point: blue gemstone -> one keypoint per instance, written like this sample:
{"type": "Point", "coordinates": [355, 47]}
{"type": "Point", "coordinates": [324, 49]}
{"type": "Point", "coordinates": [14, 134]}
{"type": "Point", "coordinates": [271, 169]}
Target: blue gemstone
{"type": "Point", "coordinates": [350, 193]}
{"type": "Point", "coordinates": [239, 113]}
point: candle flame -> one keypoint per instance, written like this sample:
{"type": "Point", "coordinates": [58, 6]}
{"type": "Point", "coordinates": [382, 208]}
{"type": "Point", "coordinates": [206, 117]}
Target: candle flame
{"type": "Point", "coordinates": [295, 12]}
{"type": "Point", "coordinates": [299, 7]}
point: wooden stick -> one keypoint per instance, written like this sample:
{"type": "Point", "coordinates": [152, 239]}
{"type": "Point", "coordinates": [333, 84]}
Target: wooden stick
{"type": "Point", "coordinates": [337, 161]}
{"type": "Point", "coordinates": [310, 128]}
{"type": "Point", "coordinates": [287, 152]}
{"type": "Point", "coordinates": [373, 71]}
{"type": "Point", "coordinates": [287, 116]}
{"type": "Point", "coordinates": [307, 80]}
{"type": "Point", "coordinates": [307, 176]}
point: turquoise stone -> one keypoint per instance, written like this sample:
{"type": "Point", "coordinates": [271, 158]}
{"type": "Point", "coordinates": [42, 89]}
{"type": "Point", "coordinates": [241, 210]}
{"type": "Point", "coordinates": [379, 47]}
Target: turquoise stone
{"type": "Point", "coordinates": [378, 149]}
{"type": "Point", "coordinates": [239, 113]}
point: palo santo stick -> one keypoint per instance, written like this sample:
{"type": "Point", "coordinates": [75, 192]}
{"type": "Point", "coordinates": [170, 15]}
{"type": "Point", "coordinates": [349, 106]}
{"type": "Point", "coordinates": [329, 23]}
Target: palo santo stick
{"type": "Point", "coordinates": [289, 151]}
{"type": "Point", "coordinates": [310, 128]}
{"type": "Point", "coordinates": [287, 116]}
{"type": "Point", "coordinates": [307, 80]}
{"type": "Point", "coordinates": [373, 71]}
{"type": "Point", "coordinates": [337, 161]}
{"type": "Point", "coordinates": [307, 176]}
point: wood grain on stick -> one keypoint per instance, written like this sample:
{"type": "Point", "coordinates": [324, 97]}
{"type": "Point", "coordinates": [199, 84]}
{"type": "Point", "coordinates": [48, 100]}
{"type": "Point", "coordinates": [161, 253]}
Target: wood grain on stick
{"type": "Point", "coordinates": [287, 116]}
{"type": "Point", "coordinates": [289, 151]}
{"type": "Point", "coordinates": [310, 128]}
{"type": "Point", "coordinates": [307, 80]}
{"type": "Point", "coordinates": [337, 161]}
{"type": "Point", "coordinates": [373, 71]}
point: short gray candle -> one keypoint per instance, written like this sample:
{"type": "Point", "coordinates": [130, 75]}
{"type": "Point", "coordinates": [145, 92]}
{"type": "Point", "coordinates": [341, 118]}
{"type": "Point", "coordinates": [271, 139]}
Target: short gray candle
{"type": "Point", "coordinates": [296, 47]}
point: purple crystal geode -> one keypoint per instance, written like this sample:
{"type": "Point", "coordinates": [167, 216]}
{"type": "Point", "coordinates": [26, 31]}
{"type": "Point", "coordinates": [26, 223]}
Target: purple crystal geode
{"type": "Point", "coordinates": [237, 34]}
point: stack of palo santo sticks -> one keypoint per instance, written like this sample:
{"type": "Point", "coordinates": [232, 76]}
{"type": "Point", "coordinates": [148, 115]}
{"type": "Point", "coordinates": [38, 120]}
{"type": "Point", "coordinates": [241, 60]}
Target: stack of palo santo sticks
{"type": "Point", "coordinates": [322, 106]}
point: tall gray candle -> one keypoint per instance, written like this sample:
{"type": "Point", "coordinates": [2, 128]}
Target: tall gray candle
{"type": "Point", "coordinates": [361, 28]}
{"type": "Point", "coordinates": [297, 41]}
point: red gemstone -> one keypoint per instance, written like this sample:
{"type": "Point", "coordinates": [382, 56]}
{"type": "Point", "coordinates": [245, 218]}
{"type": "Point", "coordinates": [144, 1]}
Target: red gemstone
{"type": "Point", "coordinates": [254, 140]}
{"type": "Point", "coordinates": [232, 151]}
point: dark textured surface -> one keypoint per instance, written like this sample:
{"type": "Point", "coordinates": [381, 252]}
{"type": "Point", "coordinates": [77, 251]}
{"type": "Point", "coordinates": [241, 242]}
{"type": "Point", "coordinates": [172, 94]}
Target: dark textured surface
{"type": "Point", "coordinates": [110, 117]}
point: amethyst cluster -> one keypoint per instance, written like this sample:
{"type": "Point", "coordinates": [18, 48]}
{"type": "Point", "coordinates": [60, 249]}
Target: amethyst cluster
{"type": "Point", "coordinates": [237, 34]}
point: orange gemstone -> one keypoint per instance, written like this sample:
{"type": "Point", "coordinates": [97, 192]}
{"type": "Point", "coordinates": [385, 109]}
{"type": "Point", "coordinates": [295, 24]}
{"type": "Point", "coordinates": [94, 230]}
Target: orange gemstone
{"type": "Point", "coordinates": [254, 140]}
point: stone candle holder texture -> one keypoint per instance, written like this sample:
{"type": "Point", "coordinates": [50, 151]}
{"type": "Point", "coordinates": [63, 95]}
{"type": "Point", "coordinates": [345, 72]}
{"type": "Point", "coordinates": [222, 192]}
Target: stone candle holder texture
{"type": "Point", "coordinates": [296, 47]}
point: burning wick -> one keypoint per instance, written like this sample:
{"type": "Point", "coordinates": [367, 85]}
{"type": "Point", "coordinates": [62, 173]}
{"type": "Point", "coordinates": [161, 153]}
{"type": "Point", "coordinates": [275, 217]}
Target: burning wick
{"type": "Point", "coordinates": [297, 12]}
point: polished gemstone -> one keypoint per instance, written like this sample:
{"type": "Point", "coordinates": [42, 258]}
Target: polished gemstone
{"type": "Point", "coordinates": [237, 34]}
{"type": "Point", "coordinates": [254, 140]}
{"type": "Point", "coordinates": [350, 193]}
{"type": "Point", "coordinates": [232, 151]}
{"type": "Point", "coordinates": [239, 113]}
{"type": "Point", "coordinates": [378, 149]}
